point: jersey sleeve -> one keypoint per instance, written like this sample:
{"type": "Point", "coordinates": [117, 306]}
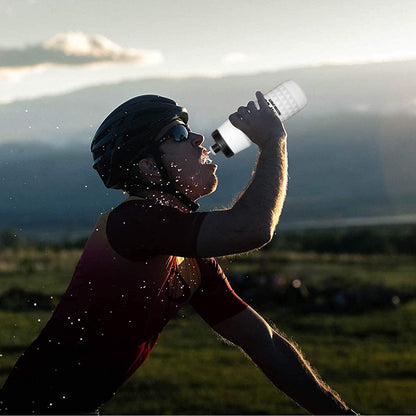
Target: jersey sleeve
{"type": "Point", "coordinates": [215, 300]}
{"type": "Point", "coordinates": [137, 229]}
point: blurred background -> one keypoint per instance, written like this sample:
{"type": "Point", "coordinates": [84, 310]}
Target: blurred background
{"type": "Point", "coordinates": [338, 277]}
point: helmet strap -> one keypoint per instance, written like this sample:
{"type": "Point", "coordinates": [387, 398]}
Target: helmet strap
{"type": "Point", "coordinates": [168, 184]}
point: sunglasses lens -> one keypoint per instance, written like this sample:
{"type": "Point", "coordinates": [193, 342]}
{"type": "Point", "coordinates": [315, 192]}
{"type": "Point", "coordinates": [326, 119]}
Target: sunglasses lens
{"type": "Point", "coordinates": [178, 133]}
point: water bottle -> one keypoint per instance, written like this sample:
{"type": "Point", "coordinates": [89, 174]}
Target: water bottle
{"type": "Point", "coordinates": [285, 100]}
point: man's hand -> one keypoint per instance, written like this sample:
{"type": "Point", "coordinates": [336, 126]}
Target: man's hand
{"type": "Point", "coordinates": [260, 124]}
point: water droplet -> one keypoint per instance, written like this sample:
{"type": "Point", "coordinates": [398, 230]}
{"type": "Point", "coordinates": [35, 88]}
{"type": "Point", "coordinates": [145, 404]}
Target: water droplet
{"type": "Point", "coordinates": [296, 283]}
{"type": "Point", "coordinates": [395, 300]}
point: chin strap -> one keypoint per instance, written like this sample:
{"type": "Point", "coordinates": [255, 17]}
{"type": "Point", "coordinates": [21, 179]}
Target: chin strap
{"type": "Point", "coordinates": [168, 185]}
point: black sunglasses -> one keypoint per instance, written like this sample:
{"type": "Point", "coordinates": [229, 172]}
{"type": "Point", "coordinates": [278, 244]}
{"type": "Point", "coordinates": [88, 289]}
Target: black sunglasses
{"type": "Point", "coordinates": [178, 133]}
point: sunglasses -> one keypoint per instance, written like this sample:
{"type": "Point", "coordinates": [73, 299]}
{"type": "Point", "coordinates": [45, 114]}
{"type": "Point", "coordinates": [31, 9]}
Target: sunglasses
{"type": "Point", "coordinates": [178, 133]}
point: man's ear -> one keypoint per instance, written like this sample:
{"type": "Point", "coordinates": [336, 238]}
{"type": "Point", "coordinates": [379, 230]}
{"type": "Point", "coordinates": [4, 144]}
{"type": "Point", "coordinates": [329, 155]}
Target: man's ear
{"type": "Point", "coordinates": [148, 167]}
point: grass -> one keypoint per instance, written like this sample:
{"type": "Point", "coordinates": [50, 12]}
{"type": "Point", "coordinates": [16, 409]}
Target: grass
{"type": "Point", "coordinates": [368, 357]}
{"type": "Point", "coordinates": [375, 374]}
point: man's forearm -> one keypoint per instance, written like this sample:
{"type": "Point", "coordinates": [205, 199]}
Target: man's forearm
{"type": "Point", "coordinates": [261, 202]}
{"type": "Point", "coordinates": [286, 368]}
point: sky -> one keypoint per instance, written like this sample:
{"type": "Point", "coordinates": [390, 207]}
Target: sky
{"type": "Point", "coordinates": [50, 47]}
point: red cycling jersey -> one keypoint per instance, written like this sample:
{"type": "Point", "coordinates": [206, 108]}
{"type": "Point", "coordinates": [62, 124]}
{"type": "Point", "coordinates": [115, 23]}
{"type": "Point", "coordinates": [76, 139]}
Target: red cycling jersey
{"type": "Point", "coordinates": [138, 268]}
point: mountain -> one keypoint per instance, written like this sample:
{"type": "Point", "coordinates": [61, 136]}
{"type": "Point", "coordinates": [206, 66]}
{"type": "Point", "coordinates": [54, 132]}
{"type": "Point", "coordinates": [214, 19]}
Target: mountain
{"type": "Point", "coordinates": [351, 151]}
{"type": "Point", "coordinates": [381, 88]}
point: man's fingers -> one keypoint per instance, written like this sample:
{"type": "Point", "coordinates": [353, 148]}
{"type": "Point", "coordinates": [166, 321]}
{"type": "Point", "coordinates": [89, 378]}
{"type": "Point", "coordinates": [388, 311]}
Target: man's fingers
{"type": "Point", "coordinates": [243, 112]}
{"type": "Point", "coordinates": [251, 106]}
{"type": "Point", "coordinates": [237, 121]}
{"type": "Point", "coordinates": [261, 100]}
{"type": "Point", "coordinates": [234, 117]}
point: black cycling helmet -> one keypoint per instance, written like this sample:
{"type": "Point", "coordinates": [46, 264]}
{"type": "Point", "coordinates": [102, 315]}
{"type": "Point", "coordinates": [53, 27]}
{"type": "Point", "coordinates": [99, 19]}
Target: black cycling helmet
{"type": "Point", "coordinates": [129, 132]}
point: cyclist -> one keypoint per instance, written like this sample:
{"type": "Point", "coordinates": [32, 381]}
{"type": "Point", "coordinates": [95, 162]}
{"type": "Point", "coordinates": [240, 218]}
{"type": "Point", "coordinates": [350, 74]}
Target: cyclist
{"type": "Point", "coordinates": [152, 254]}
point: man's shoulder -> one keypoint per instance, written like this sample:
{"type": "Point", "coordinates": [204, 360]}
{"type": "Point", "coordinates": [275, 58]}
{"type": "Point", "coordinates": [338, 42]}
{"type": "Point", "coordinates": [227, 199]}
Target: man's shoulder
{"type": "Point", "coordinates": [140, 205]}
{"type": "Point", "coordinates": [208, 264]}
{"type": "Point", "coordinates": [131, 207]}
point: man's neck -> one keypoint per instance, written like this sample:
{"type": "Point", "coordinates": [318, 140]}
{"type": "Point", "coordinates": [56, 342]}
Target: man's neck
{"type": "Point", "coordinates": [163, 198]}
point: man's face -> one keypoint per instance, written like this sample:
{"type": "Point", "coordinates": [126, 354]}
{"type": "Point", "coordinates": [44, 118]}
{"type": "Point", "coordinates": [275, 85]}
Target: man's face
{"type": "Point", "coordinates": [186, 163]}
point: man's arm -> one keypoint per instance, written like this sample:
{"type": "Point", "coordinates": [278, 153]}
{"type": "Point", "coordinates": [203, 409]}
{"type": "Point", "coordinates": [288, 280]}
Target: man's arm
{"type": "Point", "coordinates": [281, 362]}
{"type": "Point", "coordinates": [251, 221]}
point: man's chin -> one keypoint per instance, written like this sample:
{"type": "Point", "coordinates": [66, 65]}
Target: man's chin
{"type": "Point", "coordinates": [209, 189]}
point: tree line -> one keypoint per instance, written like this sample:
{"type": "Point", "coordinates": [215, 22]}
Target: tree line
{"type": "Point", "coordinates": [398, 239]}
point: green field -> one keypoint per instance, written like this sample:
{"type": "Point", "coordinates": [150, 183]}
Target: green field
{"type": "Point", "coordinates": [366, 351]}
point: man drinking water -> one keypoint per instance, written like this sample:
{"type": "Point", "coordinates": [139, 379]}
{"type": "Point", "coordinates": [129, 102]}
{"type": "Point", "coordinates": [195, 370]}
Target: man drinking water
{"type": "Point", "coordinates": [154, 253]}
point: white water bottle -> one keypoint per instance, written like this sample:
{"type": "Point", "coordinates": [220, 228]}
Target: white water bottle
{"type": "Point", "coordinates": [285, 100]}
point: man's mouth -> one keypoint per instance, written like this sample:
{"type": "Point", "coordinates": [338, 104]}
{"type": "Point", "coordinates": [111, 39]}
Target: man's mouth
{"type": "Point", "coordinates": [204, 159]}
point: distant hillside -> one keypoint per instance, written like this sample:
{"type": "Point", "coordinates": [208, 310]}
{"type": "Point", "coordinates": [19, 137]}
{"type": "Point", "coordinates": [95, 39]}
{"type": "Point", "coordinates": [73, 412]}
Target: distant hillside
{"type": "Point", "coordinates": [351, 151]}
{"type": "Point", "coordinates": [380, 88]}
{"type": "Point", "coordinates": [349, 166]}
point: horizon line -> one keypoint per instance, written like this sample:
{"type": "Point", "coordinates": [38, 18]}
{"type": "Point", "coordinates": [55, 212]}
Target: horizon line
{"type": "Point", "coordinates": [207, 74]}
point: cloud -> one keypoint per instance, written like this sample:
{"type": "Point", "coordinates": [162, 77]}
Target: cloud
{"type": "Point", "coordinates": [14, 75]}
{"type": "Point", "coordinates": [233, 58]}
{"type": "Point", "coordinates": [74, 48]}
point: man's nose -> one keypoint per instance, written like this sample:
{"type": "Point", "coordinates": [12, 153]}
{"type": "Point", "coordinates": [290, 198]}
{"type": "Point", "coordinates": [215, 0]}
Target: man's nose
{"type": "Point", "coordinates": [197, 139]}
